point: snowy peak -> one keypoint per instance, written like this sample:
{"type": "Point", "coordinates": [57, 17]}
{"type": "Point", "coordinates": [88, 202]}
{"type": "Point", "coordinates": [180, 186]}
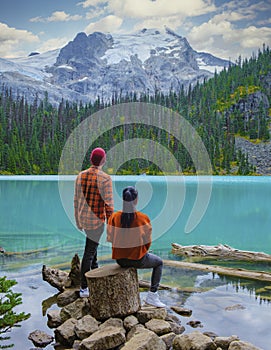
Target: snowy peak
{"type": "Point", "coordinates": [145, 43]}
{"type": "Point", "coordinates": [102, 64]}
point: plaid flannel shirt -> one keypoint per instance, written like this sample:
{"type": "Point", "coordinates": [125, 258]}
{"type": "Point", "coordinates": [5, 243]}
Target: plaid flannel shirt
{"type": "Point", "coordinates": [93, 198]}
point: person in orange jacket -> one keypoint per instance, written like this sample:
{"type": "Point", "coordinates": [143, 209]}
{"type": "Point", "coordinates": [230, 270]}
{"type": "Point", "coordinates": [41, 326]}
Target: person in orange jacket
{"type": "Point", "coordinates": [130, 232]}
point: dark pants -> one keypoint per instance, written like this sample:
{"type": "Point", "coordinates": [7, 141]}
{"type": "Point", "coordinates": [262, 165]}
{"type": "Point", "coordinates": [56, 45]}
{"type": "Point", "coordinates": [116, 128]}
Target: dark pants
{"type": "Point", "coordinates": [89, 260]}
{"type": "Point", "coordinates": [148, 261]}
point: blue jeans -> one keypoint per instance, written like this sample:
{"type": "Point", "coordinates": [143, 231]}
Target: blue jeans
{"type": "Point", "coordinates": [89, 260]}
{"type": "Point", "coordinates": [148, 261]}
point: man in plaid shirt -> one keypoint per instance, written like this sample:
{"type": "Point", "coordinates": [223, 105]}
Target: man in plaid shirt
{"type": "Point", "coordinates": [93, 205]}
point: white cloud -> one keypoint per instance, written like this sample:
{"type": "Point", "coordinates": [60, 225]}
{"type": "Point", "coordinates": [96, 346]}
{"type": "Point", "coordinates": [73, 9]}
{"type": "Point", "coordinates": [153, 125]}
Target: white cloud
{"type": "Point", "coordinates": [52, 44]}
{"type": "Point", "coordinates": [233, 16]}
{"type": "Point", "coordinates": [209, 29]}
{"type": "Point", "coordinates": [250, 37]}
{"type": "Point", "coordinates": [95, 13]}
{"type": "Point", "coordinates": [173, 22]}
{"type": "Point", "coordinates": [264, 22]}
{"type": "Point", "coordinates": [147, 8]}
{"type": "Point", "coordinates": [107, 24]}
{"type": "Point", "coordinates": [89, 3]}
{"type": "Point", "coordinates": [228, 40]}
{"type": "Point", "coordinates": [57, 16]}
{"type": "Point", "coordinates": [12, 39]}
{"type": "Point", "coordinates": [143, 13]}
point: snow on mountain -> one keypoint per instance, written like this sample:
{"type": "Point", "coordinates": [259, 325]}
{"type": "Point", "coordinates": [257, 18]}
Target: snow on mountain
{"type": "Point", "coordinates": [101, 65]}
{"type": "Point", "coordinates": [39, 60]}
{"type": "Point", "coordinates": [31, 66]}
{"type": "Point", "coordinates": [143, 44]}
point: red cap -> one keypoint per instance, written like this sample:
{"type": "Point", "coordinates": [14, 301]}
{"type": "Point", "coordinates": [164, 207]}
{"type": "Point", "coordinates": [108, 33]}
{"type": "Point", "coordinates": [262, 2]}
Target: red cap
{"type": "Point", "coordinates": [97, 155]}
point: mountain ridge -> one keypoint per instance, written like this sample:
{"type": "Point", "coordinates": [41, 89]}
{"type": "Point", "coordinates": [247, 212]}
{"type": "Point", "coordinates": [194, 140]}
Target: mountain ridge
{"type": "Point", "coordinates": [101, 65]}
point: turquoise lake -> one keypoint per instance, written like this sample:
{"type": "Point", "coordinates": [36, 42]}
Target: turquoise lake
{"type": "Point", "coordinates": [37, 228]}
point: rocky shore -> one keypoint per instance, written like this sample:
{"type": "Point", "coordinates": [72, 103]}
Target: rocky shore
{"type": "Point", "coordinates": [259, 155]}
{"type": "Point", "coordinates": [149, 328]}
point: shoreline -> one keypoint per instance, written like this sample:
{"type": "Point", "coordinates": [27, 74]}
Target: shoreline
{"type": "Point", "coordinates": [220, 296]}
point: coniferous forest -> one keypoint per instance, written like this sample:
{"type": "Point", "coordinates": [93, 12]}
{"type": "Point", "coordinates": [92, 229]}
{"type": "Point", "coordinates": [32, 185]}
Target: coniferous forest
{"type": "Point", "coordinates": [32, 135]}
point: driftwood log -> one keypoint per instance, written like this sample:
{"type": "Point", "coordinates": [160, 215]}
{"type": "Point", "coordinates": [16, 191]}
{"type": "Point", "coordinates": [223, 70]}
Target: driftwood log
{"type": "Point", "coordinates": [227, 271]}
{"type": "Point", "coordinates": [221, 251]}
{"type": "Point", "coordinates": [113, 291]}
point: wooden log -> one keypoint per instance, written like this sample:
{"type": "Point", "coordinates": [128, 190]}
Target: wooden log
{"type": "Point", "coordinates": [227, 271]}
{"type": "Point", "coordinates": [220, 251]}
{"type": "Point", "coordinates": [113, 291]}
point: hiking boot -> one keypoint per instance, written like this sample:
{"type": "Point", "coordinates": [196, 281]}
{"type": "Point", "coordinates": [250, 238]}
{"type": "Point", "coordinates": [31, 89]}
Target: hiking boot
{"type": "Point", "coordinates": [153, 299]}
{"type": "Point", "coordinates": [84, 293]}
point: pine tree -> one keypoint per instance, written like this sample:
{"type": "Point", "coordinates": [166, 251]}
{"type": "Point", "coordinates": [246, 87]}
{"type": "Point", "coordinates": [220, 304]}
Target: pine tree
{"type": "Point", "coordinates": [8, 317]}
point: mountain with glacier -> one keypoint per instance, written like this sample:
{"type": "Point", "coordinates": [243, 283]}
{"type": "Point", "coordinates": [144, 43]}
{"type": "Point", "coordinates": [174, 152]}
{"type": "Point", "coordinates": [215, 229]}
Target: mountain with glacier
{"type": "Point", "coordinates": [103, 65]}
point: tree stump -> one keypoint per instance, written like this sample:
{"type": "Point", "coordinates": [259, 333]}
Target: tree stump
{"type": "Point", "coordinates": [113, 291]}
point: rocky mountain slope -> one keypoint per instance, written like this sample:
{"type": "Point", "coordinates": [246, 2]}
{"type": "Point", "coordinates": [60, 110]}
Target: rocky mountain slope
{"type": "Point", "coordinates": [259, 155]}
{"type": "Point", "coordinates": [101, 65]}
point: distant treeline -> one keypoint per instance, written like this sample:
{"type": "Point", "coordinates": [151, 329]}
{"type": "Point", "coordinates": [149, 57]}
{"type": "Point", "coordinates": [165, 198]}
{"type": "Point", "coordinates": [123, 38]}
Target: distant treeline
{"type": "Point", "coordinates": [32, 136]}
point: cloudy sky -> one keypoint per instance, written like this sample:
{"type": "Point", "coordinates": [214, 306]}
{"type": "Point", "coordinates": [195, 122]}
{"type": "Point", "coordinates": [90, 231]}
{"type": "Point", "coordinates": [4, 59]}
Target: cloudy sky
{"type": "Point", "coordinates": [226, 29]}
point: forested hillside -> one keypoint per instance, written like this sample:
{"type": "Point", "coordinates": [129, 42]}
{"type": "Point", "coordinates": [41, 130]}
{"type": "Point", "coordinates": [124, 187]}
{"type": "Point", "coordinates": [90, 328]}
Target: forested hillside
{"type": "Point", "coordinates": [234, 102]}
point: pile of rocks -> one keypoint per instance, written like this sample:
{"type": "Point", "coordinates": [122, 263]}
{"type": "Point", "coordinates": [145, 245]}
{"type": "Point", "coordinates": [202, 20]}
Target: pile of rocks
{"type": "Point", "coordinates": [149, 328]}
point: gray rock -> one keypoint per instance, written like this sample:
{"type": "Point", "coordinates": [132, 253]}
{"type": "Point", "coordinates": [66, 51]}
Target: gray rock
{"type": "Point", "coordinates": [259, 155]}
{"type": "Point", "coordinates": [75, 346]}
{"type": "Point", "coordinates": [168, 339]}
{"type": "Point", "coordinates": [194, 323]}
{"type": "Point", "coordinates": [159, 327]}
{"type": "Point", "coordinates": [67, 297]}
{"type": "Point", "coordinates": [146, 313]}
{"type": "Point", "coordinates": [86, 326]}
{"type": "Point", "coordinates": [130, 322]}
{"type": "Point", "coordinates": [224, 342]}
{"type": "Point", "coordinates": [144, 339]}
{"type": "Point", "coordinates": [77, 309]}
{"type": "Point", "coordinates": [40, 338]}
{"type": "Point", "coordinates": [65, 334]}
{"type": "Point", "coordinates": [135, 329]}
{"type": "Point", "coordinates": [194, 340]}
{"type": "Point", "coordinates": [55, 277]}
{"type": "Point", "coordinates": [176, 328]}
{"type": "Point", "coordinates": [54, 318]}
{"type": "Point", "coordinates": [182, 311]}
{"type": "Point", "coordinates": [116, 322]}
{"type": "Point", "coordinates": [104, 339]}
{"type": "Point", "coordinates": [242, 345]}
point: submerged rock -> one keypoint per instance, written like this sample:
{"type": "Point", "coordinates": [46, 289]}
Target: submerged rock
{"type": "Point", "coordinates": [40, 338]}
{"type": "Point", "coordinates": [181, 310]}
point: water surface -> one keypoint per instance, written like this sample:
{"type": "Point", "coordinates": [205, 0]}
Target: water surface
{"type": "Point", "coordinates": [37, 227]}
